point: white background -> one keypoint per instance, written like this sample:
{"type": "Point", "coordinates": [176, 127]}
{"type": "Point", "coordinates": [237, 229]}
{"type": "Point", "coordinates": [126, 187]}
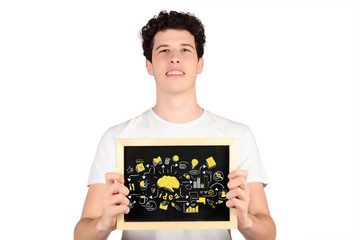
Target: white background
{"type": "Point", "coordinates": [288, 69]}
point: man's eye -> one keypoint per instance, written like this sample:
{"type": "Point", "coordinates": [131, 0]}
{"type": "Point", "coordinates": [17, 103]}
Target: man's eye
{"type": "Point", "coordinates": [164, 50]}
{"type": "Point", "coordinates": [186, 50]}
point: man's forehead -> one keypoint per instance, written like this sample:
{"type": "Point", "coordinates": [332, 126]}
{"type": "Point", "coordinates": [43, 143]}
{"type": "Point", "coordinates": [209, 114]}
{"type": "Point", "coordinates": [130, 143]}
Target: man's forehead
{"type": "Point", "coordinates": [173, 37]}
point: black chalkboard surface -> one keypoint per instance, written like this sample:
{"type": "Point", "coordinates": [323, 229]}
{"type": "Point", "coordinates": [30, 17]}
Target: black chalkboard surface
{"type": "Point", "coordinates": [173, 181]}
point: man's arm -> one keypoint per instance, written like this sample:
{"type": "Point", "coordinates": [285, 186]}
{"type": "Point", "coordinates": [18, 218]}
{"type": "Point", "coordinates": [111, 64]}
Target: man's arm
{"type": "Point", "coordinates": [102, 204]}
{"type": "Point", "coordinates": [249, 200]}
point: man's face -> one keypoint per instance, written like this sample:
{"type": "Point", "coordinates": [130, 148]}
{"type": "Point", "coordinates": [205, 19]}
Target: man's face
{"type": "Point", "coordinates": [175, 63]}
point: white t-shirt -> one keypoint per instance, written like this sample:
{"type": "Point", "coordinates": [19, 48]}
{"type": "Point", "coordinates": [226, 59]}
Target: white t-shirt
{"type": "Point", "coordinates": [149, 125]}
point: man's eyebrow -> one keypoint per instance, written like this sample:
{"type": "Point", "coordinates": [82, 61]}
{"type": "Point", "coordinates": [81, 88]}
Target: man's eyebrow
{"type": "Point", "coordinates": [188, 45]}
{"type": "Point", "coordinates": [183, 45]}
{"type": "Point", "coordinates": [163, 45]}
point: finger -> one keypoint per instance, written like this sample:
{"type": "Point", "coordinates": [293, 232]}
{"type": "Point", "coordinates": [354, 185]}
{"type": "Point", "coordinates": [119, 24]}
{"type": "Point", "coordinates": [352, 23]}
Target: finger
{"type": "Point", "coordinates": [118, 199]}
{"type": "Point", "coordinates": [118, 188]}
{"type": "Point", "coordinates": [237, 172]}
{"type": "Point", "coordinates": [122, 209]}
{"type": "Point", "coordinates": [236, 203]}
{"type": "Point", "coordinates": [124, 190]}
{"type": "Point", "coordinates": [237, 193]}
{"type": "Point", "coordinates": [115, 210]}
{"type": "Point", "coordinates": [112, 177]}
{"type": "Point", "coordinates": [246, 187]}
{"type": "Point", "coordinates": [240, 181]}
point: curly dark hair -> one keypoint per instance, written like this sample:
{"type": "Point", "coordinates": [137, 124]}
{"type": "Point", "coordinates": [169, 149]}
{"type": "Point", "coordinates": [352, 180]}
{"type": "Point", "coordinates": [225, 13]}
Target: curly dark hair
{"type": "Point", "coordinates": [173, 20]}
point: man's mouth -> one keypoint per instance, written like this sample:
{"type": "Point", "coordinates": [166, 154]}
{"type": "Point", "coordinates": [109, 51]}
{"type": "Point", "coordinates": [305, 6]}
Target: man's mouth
{"type": "Point", "coordinates": [175, 73]}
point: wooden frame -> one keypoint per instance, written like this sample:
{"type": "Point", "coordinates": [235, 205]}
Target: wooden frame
{"type": "Point", "coordinates": [228, 143]}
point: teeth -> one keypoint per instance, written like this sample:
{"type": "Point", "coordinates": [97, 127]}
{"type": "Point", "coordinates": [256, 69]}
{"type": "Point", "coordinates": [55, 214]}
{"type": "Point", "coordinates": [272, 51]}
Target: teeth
{"type": "Point", "coordinates": [175, 73]}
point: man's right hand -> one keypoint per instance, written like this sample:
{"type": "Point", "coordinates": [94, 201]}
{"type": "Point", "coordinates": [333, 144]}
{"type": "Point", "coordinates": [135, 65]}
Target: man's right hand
{"type": "Point", "coordinates": [114, 202]}
{"type": "Point", "coordinates": [102, 205]}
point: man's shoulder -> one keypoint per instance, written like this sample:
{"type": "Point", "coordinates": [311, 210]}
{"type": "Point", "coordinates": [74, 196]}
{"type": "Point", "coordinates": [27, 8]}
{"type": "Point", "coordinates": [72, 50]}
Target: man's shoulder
{"type": "Point", "coordinates": [224, 121]}
{"type": "Point", "coordinates": [130, 124]}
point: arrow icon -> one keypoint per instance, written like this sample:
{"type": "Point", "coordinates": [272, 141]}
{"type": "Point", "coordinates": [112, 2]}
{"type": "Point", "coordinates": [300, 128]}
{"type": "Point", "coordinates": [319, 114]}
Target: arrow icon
{"type": "Point", "coordinates": [203, 166]}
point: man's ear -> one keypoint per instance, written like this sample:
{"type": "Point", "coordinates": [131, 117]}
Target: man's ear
{"type": "Point", "coordinates": [149, 67]}
{"type": "Point", "coordinates": [200, 66]}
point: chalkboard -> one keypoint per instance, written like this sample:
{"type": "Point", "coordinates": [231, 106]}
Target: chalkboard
{"type": "Point", "coordinates": [177, 183]}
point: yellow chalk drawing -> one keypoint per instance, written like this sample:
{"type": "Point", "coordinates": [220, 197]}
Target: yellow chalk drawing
{"type": "Point", "coordinates": [163, 196]}
{"type": "Point", "coordinates": [163, 206]}
{"type": "Point", "coordinates": [217, 175]}
{"type": "Point", "coordinates": [168, 182]}
{"type": "Point", "coordinates": [140, 167]}
{"type": "Point", "coordinates": [206, 181]}
{"type": "Point", "coordinates": [157, 160]}
{"type": "Point", "coordinates": [175, 158]}
{"type": "Point", "coordinates": [210, 162]}
{"type": "Point", "coordinates": [194, 162]}
{"type": "Point", "coordinates": [223, 194]}
{"type": "Point", "coordinates": [143, 199]}
{"type": "Point", "coordinates": [192, 209]}
{"type": "Point", "coordinates": [187, 176]}
{"type": "Point", "coordinates": [143, 184]}
{"type": "Point", "coordinates": [175, 206]}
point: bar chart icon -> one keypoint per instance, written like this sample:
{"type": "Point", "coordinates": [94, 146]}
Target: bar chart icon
{"type": "Point", "coordinates": [192, 209]}
{"type": "Point", "coordinates": [197, 184]}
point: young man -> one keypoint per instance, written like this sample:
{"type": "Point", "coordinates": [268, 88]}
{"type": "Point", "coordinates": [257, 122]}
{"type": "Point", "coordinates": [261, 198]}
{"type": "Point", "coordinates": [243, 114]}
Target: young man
{"type": "Point", "coordinates": [173, 46]}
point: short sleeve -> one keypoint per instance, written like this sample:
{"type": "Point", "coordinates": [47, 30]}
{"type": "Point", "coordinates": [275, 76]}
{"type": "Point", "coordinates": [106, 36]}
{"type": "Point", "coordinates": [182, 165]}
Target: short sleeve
{"type": "Point", "coordinates": [105, 158]}
{"type": "Point", "coordinates": [249, 158]}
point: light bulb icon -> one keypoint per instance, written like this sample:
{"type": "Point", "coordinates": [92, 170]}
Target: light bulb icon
{"type": "Point", "coordinates": [175, 158]}
{"type": "Point", "coordinates": [194, 162]}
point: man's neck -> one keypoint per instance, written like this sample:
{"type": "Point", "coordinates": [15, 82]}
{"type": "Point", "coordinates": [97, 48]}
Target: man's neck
{"type": "Point", "coordinates": [177, 109]}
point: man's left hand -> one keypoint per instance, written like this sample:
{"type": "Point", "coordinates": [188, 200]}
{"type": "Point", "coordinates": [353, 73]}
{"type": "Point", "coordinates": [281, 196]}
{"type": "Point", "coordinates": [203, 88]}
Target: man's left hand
{"type": "Point", "coordinates": [239, 196]}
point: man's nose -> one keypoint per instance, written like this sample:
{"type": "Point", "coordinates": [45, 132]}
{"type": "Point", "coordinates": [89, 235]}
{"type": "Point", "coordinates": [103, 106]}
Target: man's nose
{"type": "Point", "coordinates": [175, 58]}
